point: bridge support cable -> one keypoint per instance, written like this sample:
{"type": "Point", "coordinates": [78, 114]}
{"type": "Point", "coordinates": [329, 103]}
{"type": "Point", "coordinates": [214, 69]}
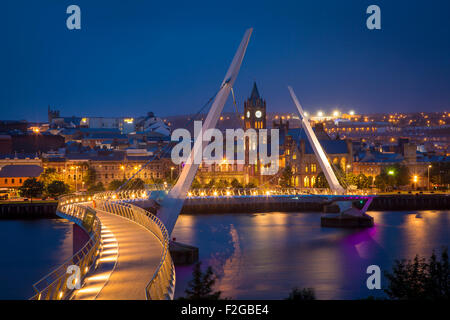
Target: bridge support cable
{"type": "Point", "coordinates": [129, 184]}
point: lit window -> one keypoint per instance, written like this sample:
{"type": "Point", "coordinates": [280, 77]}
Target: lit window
{"type": "Point", "coordinates": [306, 182]}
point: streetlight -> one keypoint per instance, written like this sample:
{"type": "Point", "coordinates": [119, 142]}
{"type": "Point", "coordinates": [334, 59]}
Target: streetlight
{"type": "Point", "coordinates": [415, 179]}
{"type": "Point", "coordinates": [346, 168]}
{"type": "Point", "coordinates": [429, 167]}
{"type": "Point", "coordinates": [171, 173]}
{"type": "Point", "coordinates": [76, 177]}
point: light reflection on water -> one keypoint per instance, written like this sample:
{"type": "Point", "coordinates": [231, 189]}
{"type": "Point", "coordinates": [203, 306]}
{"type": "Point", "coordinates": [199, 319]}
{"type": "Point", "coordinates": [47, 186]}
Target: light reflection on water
{"type": "Point", "coordinates": [263, 256]}
{"type": "Point", "coordinates": [29, 250]}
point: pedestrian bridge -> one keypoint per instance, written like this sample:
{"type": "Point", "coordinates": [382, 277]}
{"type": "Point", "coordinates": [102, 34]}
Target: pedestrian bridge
{"type": "Point", "coordinates": [126, 256]}
{"type": "Point", "coordinates": [127, 253]}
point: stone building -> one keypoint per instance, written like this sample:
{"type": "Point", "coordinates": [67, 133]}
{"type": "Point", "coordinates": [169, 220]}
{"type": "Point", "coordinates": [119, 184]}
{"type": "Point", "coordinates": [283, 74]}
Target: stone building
{"type": "Point", "coordinates": [13, 176]}
{"type": "Point", "coordinates": [254, 118]}
{"type": "Point", "coordinates": [299, 154]}
{"type": "Point", "coordinates": [109, 166]}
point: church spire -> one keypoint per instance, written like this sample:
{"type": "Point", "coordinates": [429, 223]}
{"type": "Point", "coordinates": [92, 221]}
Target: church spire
{"type": "Point", "coordinates": [255, 94]}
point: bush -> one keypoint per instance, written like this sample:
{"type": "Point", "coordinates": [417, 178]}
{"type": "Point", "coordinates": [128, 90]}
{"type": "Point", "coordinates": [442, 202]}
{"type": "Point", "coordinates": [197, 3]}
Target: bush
{"type": "Point", "coordinates": [302, 294]}
{"type": "Point", "coordinates": [420, 279]}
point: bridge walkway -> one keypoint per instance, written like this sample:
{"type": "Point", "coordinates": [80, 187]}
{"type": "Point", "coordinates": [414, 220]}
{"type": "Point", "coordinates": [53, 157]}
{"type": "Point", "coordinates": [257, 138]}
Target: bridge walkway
{"type": "Point", "coordinates": [139, 254]}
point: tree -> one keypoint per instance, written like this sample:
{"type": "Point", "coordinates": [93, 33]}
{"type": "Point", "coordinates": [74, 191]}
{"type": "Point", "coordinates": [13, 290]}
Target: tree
{"type": "Point", "coordinates": [286, 177]}
{"type": "Point", "coordinates": [31, 188]}
{"type": "Point", "coordinates": [403, 177]}
{"type": "Point", "coordinates": [222, 184]}
{"type": "Point", "coordinates": [440, 173]}
{"type": "Point", "coordinates": [137, 183]}
{"type": "Point", "coordinates": [321, 181]}
{"type": "Point", "coordinates": [236, 184]}
{"type": "Point", "coordinates": [115, 184]}
{"type": "Point", "coordinates": [394, 176]}
{"type": "Point", "coordinates": [420, 279]}
{"type": "Point", "coordinates": [210, 184]}
{"type": "Point", "coordinates": [339, 172]}
{"type": "Point", "coordinates": [381, 181]}
{"type": "Point", "coordinates": [303, 294]}
{"type": "Point", "coordinates": [48, 176]}
{"type": "Point", "coordinates": [362, 181]}
{"type": "Point", "coordinates": [250, 185]}
{"type": "Point", "coordinates": [57, 188]}
{"type": "Point", "coordinates": [196, 184]}
{"type": "Point", "coordinates": [96, 187]}
{"type": "Point", "coordinates": [90, 177]}
{"type": "Point", "coordinates": [201, 285]}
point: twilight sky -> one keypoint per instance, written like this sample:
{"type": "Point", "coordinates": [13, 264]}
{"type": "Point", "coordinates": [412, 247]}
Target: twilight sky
{"type": "Point", "coordinates": [169, 57]}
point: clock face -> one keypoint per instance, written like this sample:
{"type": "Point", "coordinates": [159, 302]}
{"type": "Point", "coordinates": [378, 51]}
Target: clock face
{"type": "Point", "coordinates": [258, 114]}
{"type": "Point", "coordinates": [248, 114]}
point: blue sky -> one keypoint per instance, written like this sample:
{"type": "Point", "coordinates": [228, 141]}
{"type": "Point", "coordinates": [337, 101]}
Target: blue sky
{"type": "Point", "coordinates": [169, 57]}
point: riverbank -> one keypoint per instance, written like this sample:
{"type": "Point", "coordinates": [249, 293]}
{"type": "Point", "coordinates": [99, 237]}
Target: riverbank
{"type": "Point", "coordinates": [28, 210]}
{"type": "Point", "coordinates": [309, 203]}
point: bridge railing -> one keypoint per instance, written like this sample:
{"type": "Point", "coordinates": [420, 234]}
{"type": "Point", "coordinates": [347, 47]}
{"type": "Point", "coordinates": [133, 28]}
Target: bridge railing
{"type": "Point", "coordinates": [54, 286]}
{"type": "Point", "coordinates": [216, 192]}
{"type": "Point", "coordinates": [262, 191]}
{"type": "Point", "coordinates": [162, 284]}
{"type": "Point", "coordinates": [143, 193]}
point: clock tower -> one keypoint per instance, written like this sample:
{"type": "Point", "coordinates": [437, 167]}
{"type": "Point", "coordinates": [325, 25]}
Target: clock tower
{"type": "Point", "coordinates": [255, 111]}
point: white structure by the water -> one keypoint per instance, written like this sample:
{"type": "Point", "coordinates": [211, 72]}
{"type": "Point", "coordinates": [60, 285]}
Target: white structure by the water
{"type": "Point", "coordinates": [335, 186]}
{"type": "Point", "coordinates": [172, 204]}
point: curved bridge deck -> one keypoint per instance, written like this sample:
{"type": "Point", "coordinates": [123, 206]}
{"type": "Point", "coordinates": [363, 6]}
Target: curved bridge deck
{"type": "Point", "coordinates": [139, 253]}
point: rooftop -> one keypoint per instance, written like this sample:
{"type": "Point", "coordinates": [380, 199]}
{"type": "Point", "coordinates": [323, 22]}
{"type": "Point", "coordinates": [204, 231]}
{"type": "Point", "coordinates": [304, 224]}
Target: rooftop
{"type": "Point", "coordinates": [15, 171]}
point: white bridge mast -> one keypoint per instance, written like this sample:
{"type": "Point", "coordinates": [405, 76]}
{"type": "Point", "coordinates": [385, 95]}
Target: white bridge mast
{"type": "Point", "coordinates": [172, 204]}
{"type": "Point", "coordinates": [318, 150]}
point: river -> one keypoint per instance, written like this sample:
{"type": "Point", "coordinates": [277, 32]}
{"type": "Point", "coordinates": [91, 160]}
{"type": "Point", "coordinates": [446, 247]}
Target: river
{"type": "Point", "coordinates": [29, 250]}
{"type": "Point", "coordinates": [256, 256]}
{"type": "Point", "coordinates": [263, 256]}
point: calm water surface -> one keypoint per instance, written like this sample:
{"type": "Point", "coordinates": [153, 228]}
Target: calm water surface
{"type": "Point", "coordinates": [257, 256]}
{"type": "Point", "coordinates": [263, 256]}
{"type": "Point", "coordinates": [29, 250]}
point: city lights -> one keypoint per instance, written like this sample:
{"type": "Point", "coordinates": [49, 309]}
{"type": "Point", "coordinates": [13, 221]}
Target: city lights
{"type": "Point", "coordinates": [157, 166]}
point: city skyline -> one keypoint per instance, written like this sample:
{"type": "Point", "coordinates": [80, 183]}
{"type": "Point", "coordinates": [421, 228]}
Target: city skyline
{"type": "Point", "coordinates": [148, 154]}
{"type": "Point", "coordinates": [147, 57]}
